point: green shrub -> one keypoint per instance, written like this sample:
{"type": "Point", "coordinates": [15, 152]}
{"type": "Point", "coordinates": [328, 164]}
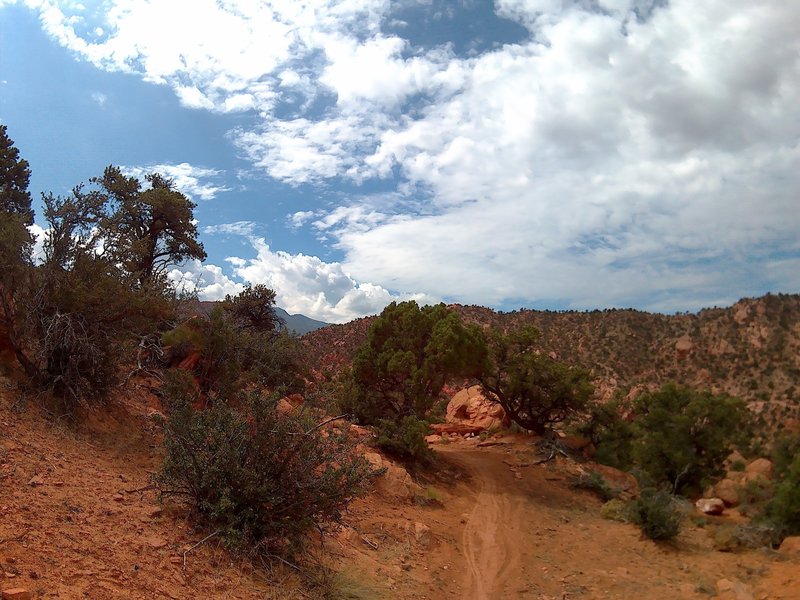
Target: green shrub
{"type": "Point", "coordinates": [260, 478]}
{"type": "Point", "coordinates": [683, 435]}
{"type": "Point", "coordinates": [784, 509]}
{"type": "Point", "coordinates": [597, 484]}
{"type": "Point", "coordinates": [404, 440]}
{"type": "Point", "coordinates": [615, 510]}
{"type": "Point", "coordinates": [730, 538]}
{"type": "Point", "coordinates": [656, 514]}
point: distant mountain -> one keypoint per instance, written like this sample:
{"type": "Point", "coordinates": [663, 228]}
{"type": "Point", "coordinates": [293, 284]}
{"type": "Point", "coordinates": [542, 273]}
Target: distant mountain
{"type": "Point", "coordinates": [750, 350]}
{"type": "Point", "coordinates": [298, 324]}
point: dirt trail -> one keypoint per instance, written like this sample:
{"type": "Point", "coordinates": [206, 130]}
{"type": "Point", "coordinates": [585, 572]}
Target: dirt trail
{"type": "Point", "coordinates": [527, 534]}
{"type": "Point", "coordinates": [492, 538]}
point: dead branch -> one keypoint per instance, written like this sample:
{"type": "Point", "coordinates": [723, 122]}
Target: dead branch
{"type": "Point", "coordinates": [203, 541]}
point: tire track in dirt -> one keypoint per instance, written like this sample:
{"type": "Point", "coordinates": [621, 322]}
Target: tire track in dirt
{"type": "Point", "coordinates": [491, 540]}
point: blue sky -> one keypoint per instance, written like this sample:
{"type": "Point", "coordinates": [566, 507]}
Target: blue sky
{"type": "Point", "coordinates": [539, 153]}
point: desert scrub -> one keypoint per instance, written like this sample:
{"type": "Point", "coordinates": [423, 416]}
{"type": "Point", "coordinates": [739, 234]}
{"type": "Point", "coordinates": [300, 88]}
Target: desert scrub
{"type": "Point", "coordinates": [260, 478]}
{"type": "Point", "coordinates": [615, 510]}
{"type": "Point", "coordinates": [656, 514]}
{"type": "Point", "coordinates": [404, 440]}
{"type": "Point", "coordinates": [783, 511]}
{"type": "Point", "coordinates": [596, 483]}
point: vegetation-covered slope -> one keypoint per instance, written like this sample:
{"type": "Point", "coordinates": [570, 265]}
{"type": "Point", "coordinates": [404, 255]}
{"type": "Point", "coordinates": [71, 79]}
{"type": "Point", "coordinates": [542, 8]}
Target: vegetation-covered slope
{"type": "Point", "coordinates": [751, 349]}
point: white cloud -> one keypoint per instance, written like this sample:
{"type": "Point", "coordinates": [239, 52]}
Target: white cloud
{"type": "Point", "coordinates": [307, 285]}
{"type": "Point", "coordinates": [243, 228]}
{"type": "Point", "coordinates": [640, 153]}
{"type": "Point", "coordinates": [99, 98]}
{"type": "Point", "coordinates": [190, 180]}
{"type": "Point", "coordinates": [39, 237]}
{"type": "Point", "coordinates": [207, 280]}
{"type": "Point", "coordinates": [300, 218]}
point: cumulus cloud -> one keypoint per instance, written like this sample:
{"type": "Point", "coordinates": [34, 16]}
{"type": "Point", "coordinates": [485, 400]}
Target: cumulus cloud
{"type": "Point", "coordinates": [627, 152]}
{"type": "Point", "coordinates": [207, 280]}
{"type": "Point", "coordinates": [307, 285]}
{"type": "Point", "coordinates": [195, 182]}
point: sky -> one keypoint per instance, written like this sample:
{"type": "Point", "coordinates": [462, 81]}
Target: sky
{"type": "Point", "coordinates": [552, 154]}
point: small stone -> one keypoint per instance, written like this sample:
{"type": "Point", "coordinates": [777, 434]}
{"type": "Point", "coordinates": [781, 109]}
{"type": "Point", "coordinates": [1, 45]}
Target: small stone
{"type": "Point", "coordinates": [155, 542]}
{"type": "Point", "coordinates": [16, 594]}
{"type": "Point", "coordinates": [156, 512]}
{"type": "Point", "coordinates": [36, 480]}
{"type": "Point", "coordinates": [118, 497]}
{"type": "Point", "coordinates": [175, 560]}
{"type": "Point", "coordinates": [733, 590]}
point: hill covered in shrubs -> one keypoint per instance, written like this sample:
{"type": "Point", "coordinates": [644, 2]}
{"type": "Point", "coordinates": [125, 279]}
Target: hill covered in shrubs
{"type": "Point", "coordinates": [750, 350]}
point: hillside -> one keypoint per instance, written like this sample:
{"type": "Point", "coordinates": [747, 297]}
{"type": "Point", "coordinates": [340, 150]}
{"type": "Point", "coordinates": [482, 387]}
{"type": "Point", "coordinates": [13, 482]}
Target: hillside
{"type": "Point", "coordinates": [751, 349]}
{"type": "Point", "coordinates": [79, 519]}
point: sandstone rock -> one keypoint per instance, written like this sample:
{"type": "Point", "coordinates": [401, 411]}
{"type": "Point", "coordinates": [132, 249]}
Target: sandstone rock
{"type": "Point", "coordinates": [375, 459]}
{"type": "Point", "coordinates": [295, 399]}
{"type": "Point", "coordinates": [362, 433]}
{"type": "Point", "coordinates": [16, 594]}
{"type": "Point", "coordinates": [471, 407]}
{"type": "Point", "coordinates": [791, 545]}
{"type": "Point", "coordinates": [683, 347]}
{"type": "Point", "coordinates": [710, 506]}
{"type": "Point", "coordinates": [741, 314]}
{"type": "Point", "coordinates": [118, 497]}
{"type": "Point", "coordinates": [618, 480]}
{"type": "Point", "coordinates": [422, 533]}
{"type": "Point", "coordinates": [433, 439]}
{"type": "Point", "coordinates": [395, 481]}
{"type": "Point", "coordinates": [578, 444]}
{"type": "Point", "coordinates": [190, 361]}
{"type": "Point", "coordinates": [728, 491]}
{"type": "Point", "coordinates": [760, 468]}
{"type": "Point", "coordinates": [733, 590]}
{"type": "Point", "coordinates": [155, 542]}
{"type": "Point", "coordinates": [284, 407]}
{"type": "Point", "coordinates": [456, 428]}
{"type": "Point", "coordinates": [36, 481]}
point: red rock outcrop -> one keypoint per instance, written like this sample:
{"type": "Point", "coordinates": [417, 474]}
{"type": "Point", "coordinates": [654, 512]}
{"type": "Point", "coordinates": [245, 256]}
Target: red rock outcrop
{"type": "Point", "coordinates": [471, 407]}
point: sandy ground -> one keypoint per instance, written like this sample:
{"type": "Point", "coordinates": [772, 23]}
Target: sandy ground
{"type": "Point", "coordinates": [79, 520]}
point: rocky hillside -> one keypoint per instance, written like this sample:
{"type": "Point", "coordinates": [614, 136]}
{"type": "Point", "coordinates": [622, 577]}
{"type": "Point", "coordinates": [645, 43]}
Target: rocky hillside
{"type": "Point", "coordinates": [751, 349]}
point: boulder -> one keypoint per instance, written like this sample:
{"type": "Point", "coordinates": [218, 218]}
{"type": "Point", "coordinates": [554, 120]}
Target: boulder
{"type": "Point", "coordinates": [710, 506]}
{"type": "Point", "coordinates": [791, 545]}
{"type": "Point", "coordinates": [728, 491]}
{"type": "Point", "coordinates": [623, 482]}
{"type": "Point", "coordinates": [728, 589]}
{"type": "Point", "coordinates": [471, 407]}
{"type": "Point", "coordinates": [760, 469]}
{"type": "Point", "coordinates": [395, 482]}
